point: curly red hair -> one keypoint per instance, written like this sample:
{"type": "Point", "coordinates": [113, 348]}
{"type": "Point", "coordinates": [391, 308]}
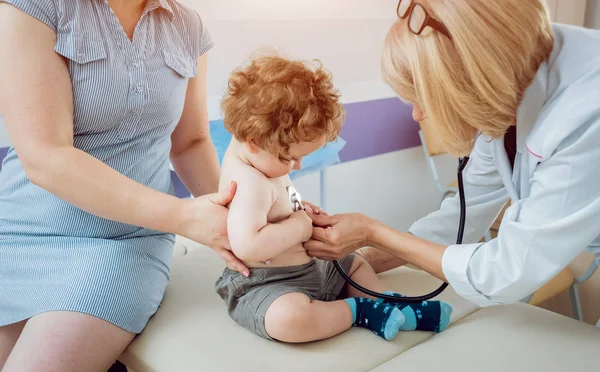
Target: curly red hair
{"type": "Point", "coordinates": [275, 102]}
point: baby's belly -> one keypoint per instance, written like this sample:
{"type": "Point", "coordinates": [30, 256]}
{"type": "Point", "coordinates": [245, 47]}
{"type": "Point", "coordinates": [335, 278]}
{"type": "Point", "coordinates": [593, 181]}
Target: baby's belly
{"type": "Point", "coordinates": [292, 257]}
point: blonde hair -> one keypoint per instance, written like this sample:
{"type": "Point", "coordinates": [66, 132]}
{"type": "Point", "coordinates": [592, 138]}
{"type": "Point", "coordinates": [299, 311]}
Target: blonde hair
{"type": "Point", "coordinates": [475, 81]}
{"type": "Point", "coordinates": [275, 102]}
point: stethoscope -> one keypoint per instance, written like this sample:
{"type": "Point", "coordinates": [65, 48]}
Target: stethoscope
{"type": "Point", "coordinates": [296, 201]}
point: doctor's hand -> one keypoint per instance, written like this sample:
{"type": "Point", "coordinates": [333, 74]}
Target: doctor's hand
{"type": "Point", "coordinates": [312, 208]}
{"type": "Point", "coordinates": [204, 220]}
{"type": "Point", "coordinates": [336, 236]}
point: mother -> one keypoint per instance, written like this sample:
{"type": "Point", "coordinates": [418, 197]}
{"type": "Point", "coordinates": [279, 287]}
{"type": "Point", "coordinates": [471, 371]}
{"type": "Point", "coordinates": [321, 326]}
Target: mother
{"type": "Point", "coordinates": [97, 97]}
{"type": "Point", "coordinates": [497, 81]}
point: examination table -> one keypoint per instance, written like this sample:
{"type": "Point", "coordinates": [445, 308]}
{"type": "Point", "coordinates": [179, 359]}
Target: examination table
{"type": "Point", "coordinates": [192, 332]}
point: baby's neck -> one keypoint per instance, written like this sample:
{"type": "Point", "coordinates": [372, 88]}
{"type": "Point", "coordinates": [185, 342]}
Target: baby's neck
{"type": "Point", "coordinates": [240, 151]}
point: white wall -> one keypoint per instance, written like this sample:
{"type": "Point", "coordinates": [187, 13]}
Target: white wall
{"type": "Point", "coordinates": [293, 9]}
{"type": "Point", "coordinates": [592, 16]}
{"type": "Point", "coordinates": [346, 35]}
{"type": "Point", "coordinates": [348, 48]}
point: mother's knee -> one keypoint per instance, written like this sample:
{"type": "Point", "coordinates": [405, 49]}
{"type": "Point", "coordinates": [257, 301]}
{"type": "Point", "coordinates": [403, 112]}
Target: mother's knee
{"type": "Point", "coordinates": [68, 341]}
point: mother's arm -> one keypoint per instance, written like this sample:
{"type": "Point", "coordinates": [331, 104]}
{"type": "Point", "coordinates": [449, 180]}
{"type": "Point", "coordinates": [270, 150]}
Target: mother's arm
{"type": "Point", "coordinates": [193, 154]}
{"type": "Point", "coordinates": [36, 101]}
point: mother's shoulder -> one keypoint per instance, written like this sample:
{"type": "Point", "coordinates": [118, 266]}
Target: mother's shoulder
{"type": "Point", "coordinates": [184, 13]}
{"type": "Point", "coordinates": [191, 28]}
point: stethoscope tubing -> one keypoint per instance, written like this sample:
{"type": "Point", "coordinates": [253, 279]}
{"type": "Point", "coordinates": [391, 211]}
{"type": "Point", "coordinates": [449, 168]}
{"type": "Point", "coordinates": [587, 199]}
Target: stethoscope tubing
{"type": "Point", "coordinates": [462, 163]}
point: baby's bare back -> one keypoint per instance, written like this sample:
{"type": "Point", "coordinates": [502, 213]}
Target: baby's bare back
{"type": "Point", "coordinates": [233, 169]}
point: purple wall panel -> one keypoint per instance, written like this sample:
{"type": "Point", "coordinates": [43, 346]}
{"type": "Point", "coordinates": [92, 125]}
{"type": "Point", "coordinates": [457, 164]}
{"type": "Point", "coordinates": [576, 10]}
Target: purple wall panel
{"type": "Point", "coordinates": [180, 190]}
{"type": "Point", "coordinates": [377, 127]}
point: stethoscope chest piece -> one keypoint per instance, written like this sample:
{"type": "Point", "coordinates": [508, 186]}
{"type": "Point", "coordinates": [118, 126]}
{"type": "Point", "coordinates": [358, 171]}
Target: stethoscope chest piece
{"type": "Point", "coordinates": [295, 198]}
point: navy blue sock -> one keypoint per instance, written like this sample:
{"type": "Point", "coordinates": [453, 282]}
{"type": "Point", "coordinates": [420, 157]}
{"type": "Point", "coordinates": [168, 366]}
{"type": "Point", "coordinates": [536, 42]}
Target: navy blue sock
{"type": "Point", "coordinates": [383, 319]}
{"type": "Point", "coordinates": [428, 316]}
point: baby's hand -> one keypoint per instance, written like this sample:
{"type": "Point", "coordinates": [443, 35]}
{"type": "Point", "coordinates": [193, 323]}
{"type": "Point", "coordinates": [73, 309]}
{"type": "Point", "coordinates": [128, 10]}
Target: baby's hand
{"type": "Point", "coordinates": [305, 222]}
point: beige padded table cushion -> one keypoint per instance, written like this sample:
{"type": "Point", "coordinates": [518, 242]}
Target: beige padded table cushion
{"type": "Point", "coordinates": [192, 331]}
{"type": "Point", "coordinates": [180, 249]}
{"type": "Point", "coordinates": [504, 339]}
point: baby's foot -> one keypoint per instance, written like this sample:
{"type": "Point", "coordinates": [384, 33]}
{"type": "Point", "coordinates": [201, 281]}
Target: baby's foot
{"type": "Point", "coordinates": [429, 316]}
{"type": "Point", "coordinates": [383, 319]}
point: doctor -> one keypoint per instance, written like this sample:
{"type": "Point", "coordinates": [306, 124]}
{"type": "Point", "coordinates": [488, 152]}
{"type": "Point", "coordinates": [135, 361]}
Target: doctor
{"type": "Point", "coordinates": [521, 97]}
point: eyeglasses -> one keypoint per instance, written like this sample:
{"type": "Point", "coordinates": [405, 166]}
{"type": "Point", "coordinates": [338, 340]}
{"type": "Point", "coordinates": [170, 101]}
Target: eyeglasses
{"type": "Point", "coordinates": [418, 18]}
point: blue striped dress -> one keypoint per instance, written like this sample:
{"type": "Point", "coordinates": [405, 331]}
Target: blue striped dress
{"type": "Point", "coordinates": [128, 98]}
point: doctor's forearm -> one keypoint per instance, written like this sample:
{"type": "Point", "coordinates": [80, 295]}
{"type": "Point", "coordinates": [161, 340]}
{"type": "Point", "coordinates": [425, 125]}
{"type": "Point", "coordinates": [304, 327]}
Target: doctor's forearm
{"type": "Point", "coordinates": [419, 252]}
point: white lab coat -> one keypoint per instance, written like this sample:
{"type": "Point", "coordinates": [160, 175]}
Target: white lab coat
{"type": "Point", "coordinates": [554, 189]}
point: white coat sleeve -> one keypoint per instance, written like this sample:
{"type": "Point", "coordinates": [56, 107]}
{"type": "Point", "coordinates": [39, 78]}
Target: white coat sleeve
{"type": "Point", "coordinates": [485, 196]}
{"type": "Point", "coordinates": [539, 235]}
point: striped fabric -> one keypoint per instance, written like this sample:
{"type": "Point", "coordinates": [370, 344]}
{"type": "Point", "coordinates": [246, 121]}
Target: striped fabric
{"type": "Point", "coordinates": [128, 98]}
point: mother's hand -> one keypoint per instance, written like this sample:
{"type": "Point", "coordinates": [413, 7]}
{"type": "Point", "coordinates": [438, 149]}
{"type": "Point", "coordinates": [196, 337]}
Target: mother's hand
{"type": "Point", "coordinates": [336, 236]}
{"type": "Point", "coordinates": [205, 221]}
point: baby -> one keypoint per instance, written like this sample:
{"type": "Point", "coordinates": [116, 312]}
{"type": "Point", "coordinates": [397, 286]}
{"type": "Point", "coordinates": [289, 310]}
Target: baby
{"type": "Point", "coordinates": [279, 111]}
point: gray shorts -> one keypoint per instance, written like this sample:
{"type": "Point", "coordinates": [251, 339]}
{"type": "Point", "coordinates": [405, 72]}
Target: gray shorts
{"type": "Point", "coordinates": [248, 299]}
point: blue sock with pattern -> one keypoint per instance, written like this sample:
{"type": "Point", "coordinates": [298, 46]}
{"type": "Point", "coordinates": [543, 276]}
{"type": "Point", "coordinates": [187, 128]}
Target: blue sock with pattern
{"type": "Point", "coordinates": [428, 316]}
{"type": "Point", "coordinates": [383, 319]}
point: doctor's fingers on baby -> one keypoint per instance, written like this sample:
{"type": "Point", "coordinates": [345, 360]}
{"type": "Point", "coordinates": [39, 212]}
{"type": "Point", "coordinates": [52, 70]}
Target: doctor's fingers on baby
{"type": "Point", "coordinates": [311, 208]}
{"type": "Point", "coordinates": [323, 219]}
{"type": "Point", "coordinates": [347, 228]}
{"type": "Point", "coordinates": [329, 244]}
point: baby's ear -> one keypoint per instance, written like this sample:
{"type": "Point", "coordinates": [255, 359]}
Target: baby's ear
{"type": "Point", "coordinates": [252, 147]}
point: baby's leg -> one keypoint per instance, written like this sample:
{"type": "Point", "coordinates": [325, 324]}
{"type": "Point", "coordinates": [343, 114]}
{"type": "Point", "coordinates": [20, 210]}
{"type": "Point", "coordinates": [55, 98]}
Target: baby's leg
{"type": "Point", "coordinates": [362, 273]}
{"type": "Point", "coordinates": [431, 316]}
{"type": "Point", "coordinates": [294, 318]}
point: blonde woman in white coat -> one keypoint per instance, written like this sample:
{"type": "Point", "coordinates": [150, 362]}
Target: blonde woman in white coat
{"type": "Point", "coordinates": [490, 77]}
